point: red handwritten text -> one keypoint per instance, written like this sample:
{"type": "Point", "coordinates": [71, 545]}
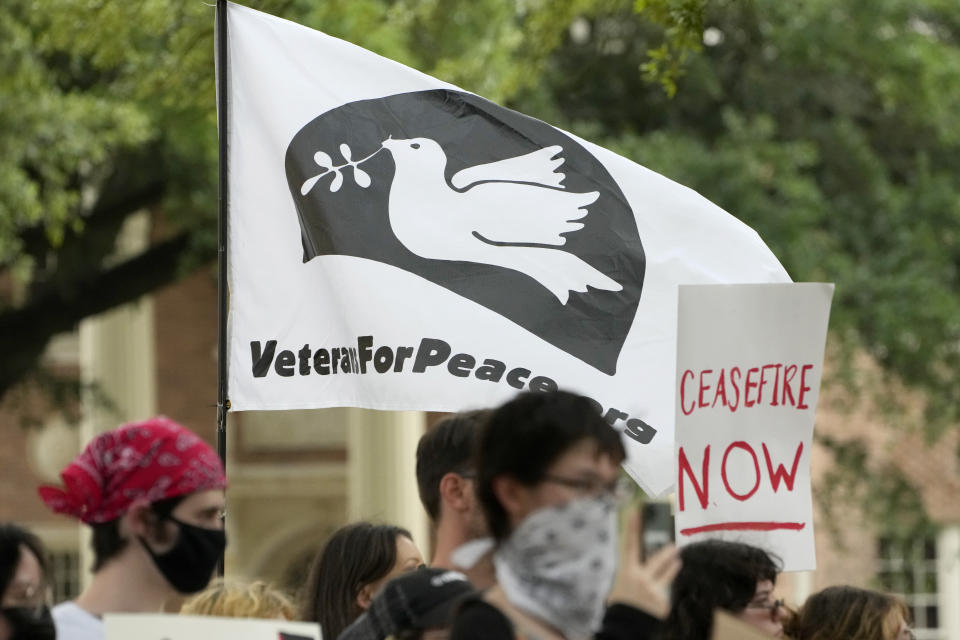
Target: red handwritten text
{"type": "Point", "coordinates": [773, 385]}
{"type": "Point", "coordinates": [701, 486]}
{"type": "Point", "coordinates": [744, 526]}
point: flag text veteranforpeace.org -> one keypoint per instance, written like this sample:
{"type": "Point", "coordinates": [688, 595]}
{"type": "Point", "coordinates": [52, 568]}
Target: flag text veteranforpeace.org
{"type": "Point", "coordinates": [432, 352]}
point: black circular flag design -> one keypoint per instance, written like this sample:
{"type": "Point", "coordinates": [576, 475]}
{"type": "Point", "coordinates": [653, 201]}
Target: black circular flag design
{"type": "Point", "coordinates": [342, 166]}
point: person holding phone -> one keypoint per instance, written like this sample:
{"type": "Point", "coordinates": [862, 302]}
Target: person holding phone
{"type": "Point", "coordinates": [548, 481]}
{"type": "Point", "coordinates": [658, 526]}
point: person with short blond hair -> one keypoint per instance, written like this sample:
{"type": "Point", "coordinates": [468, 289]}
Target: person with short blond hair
{"type": "Point", "coordinates": [240, 599]}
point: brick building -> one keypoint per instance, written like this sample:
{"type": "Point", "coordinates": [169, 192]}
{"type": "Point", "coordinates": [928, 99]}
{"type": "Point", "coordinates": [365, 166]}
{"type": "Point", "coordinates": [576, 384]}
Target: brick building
{"type": "Point", "coordinates": [294, 476]}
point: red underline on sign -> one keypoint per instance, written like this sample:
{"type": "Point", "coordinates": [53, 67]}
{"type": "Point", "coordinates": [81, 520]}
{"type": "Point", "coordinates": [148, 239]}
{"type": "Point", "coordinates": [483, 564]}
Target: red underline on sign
{"type": "Point", "coordinates": [744, 526]}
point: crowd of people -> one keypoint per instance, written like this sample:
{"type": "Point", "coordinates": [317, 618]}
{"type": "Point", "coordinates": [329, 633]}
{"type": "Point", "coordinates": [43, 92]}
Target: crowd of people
{"type": "Point", "coordinates": [525, 500]}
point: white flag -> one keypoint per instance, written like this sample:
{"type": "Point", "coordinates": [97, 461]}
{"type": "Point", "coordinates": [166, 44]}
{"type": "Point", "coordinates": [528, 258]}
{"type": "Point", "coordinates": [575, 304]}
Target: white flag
{"type": "Point", "coordinates": [399, 243]}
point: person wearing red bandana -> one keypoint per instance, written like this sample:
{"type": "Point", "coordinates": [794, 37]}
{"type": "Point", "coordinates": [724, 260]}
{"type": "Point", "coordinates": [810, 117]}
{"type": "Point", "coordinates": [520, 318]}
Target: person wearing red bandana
{"type": "Point", "coordinates": [153, 494]}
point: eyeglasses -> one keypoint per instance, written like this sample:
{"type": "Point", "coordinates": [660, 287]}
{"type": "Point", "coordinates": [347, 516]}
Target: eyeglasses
{"type": "Point", "coordinates": [774, 607]}
{"type": "Point", "coordinates": [620, 489]}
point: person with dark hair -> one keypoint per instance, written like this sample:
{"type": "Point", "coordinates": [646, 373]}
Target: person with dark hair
{"type": "Point", "coordinates": [548, 481]}
{"type": "Point", "coordinates": [153, 493]}
{"type": "Point", "coordinates": [446, 481]}
{"type": "Point", "coordinates": [850, 613]}
{"type": "Point", "coordinates": [357, 560]}
{"type": "Point", "coordinates": [717, 574]}
{"type": "Point", "coordinates": [415, 606]}
{"type": "Point", "coordinates": [24, 610]}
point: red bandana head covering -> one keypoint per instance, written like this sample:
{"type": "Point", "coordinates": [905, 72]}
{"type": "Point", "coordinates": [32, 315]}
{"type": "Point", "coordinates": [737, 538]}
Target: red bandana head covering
{"type": "Point", "coordinates": [140, 461]}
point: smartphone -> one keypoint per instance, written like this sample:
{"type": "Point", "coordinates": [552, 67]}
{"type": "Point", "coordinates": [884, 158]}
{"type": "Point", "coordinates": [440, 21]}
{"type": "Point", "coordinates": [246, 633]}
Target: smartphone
{"type": "Point", "coordinates": [657, 530]}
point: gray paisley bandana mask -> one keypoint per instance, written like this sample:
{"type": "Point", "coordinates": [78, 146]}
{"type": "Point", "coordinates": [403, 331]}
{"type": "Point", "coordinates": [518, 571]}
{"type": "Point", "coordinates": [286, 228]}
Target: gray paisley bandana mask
{"type": "Point", "coordinates": [559, 564]}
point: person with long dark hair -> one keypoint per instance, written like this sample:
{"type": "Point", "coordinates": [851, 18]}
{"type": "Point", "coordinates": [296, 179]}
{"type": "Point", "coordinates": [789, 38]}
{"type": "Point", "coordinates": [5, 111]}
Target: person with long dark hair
{"type": "Point", "coordinates": [356, 562]}
{"type": "Point", "coordinates": [24, 610]}
{"type": "Point", "coordinates": [850, 613]}
{"type": "Point", "coordinates": [735, 577]}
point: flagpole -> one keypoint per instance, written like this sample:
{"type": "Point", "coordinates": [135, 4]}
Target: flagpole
{"type": "Point", "coordinates": [223, 404]}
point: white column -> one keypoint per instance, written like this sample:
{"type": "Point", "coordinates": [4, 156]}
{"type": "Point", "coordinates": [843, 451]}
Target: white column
{"type": "Point", "coordinates": [381, 470]}
{"type": "Point", "coordinates": [117, 363]}
{"type": "Point", "coordinates": [117, 359]}
{"type": "Point", "coordinates": [948, 582]}
{"type": "Point", "coordinates": [802, 586]}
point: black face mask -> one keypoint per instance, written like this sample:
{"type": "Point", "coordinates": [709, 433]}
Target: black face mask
{"type": "Point", "coordinates": [189, 564]}
{"type": "Point", "coordinates": [30, 623]}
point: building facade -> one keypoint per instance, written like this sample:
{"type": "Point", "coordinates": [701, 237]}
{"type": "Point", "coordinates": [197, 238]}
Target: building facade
{"type": "Point", "coordinates": [296, 476]}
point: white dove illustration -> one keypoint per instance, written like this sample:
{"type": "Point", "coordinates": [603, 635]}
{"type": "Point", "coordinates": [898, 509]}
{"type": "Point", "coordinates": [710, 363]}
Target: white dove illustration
{"type": "Point", "coordinates": [500, 213]}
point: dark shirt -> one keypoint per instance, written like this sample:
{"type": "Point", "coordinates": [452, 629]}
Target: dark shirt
{"type": "Point", "coordinates": [480, 620]}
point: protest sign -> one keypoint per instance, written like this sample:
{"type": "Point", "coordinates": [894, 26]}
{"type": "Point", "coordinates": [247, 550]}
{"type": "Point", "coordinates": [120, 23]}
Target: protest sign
{"type": "Point", "coordinates": [399, 243]}
{"type": "Point", "coordinates": [152, 626]}
{"type": "Point", "coordinates": [749, 364]}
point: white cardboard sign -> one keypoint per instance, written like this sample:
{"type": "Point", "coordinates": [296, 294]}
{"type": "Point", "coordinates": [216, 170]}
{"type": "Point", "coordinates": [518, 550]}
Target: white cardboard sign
{"type": "Point", "coordinates": [179, 627]}
{"type": "Point", "coordinates": [749, 364]}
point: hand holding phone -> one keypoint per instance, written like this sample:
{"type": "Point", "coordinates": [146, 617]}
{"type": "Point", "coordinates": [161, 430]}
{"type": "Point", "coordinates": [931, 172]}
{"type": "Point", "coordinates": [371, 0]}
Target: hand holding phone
{"type": "Point", "coordinates": [656, 530]}
{"type": "Point", "coordinates": [644, 584]}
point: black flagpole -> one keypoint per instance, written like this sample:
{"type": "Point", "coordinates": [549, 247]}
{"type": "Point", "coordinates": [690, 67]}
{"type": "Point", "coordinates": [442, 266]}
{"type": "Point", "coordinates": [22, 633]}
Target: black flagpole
{"type": "Point", "coordinates": [222, 402]}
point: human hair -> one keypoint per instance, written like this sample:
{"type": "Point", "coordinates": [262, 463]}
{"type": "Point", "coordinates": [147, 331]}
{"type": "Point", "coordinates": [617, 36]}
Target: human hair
{"type": "Point", "coordinates": [240, 599]}
{"type": "Point", "coordinates": [715, 574]}
{"type": "Point", "coordinates": [106, 541]}
{"type": "Point", "coordinates": [447, 448]}
{"type": "Point", "coordinates": [847, 613]}
{"type": "Point", "coordinates": [353, 557]}
{"type": "Point", "coordinates": [523, 437]}
{"type": "Point", "coordinates": [13, 538]}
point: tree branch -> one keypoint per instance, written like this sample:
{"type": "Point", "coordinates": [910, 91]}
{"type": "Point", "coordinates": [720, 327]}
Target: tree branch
{"type": "Point", "coordinates": [108, 212]}
{"type": "Point", "coordinates": [25, 331]}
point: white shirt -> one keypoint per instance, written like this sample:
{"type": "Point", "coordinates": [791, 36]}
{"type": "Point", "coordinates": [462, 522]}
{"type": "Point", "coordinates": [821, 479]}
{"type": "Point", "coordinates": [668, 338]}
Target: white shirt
{"type": "Point", "coordinates": [74, 623]}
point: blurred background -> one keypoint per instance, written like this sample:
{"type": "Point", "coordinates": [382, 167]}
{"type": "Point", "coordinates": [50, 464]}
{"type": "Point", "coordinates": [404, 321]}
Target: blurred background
{"type": "Point", "coordinates": [829, 126]}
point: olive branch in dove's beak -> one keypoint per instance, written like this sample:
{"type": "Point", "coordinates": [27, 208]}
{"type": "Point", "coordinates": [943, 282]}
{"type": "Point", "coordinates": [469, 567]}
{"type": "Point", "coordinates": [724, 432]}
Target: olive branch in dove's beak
{"type": "Point", "coordinates": [325, 162]}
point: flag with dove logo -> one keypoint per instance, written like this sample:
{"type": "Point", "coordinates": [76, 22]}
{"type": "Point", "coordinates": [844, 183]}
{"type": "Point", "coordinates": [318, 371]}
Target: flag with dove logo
{"type": "Point", "coordinates": [399, 243]}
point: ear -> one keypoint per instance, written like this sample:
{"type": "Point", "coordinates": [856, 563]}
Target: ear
{"type": "Point", "coordinates": [513, 496]}
{"type": "Point", "coordinates": [138, 521]}
{"type": "Point", "coordinates": [365, 597]}
{"type": "Point", "coordinates": [453, 489]}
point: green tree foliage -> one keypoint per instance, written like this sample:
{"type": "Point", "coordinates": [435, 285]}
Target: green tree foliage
{"type": "Point", "coordinates": [108, 107]}
{"type": "Point", "coordinates": [832, 129]}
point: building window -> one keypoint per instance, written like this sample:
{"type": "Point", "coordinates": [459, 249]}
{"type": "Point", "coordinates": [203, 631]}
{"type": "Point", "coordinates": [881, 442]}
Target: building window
{"type": "Point", "coordinates": [908, 568]}
{"type": "Point", "coordinates": [65, 570]}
